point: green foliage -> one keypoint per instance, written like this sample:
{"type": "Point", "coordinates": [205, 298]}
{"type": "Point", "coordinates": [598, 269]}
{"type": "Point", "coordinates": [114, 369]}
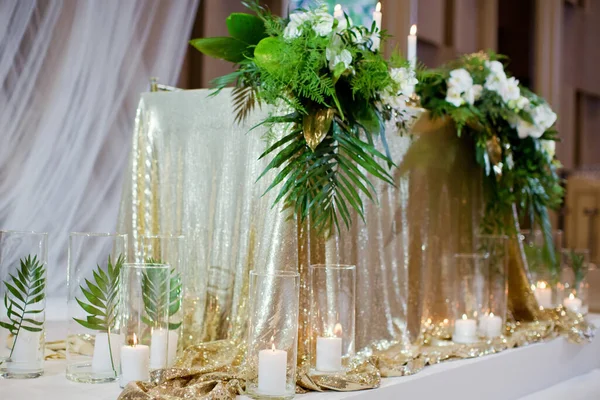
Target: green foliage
{"type": "Point", "coordinates": [328, 184]}
{"type": "Point", "coordinates": [516, 171]}
{"type": "Point", "coordinates": [226, 48]}
{"type": "Point", "coordinates": [579, 266]}
{"type": "Point", "coordinates": [24, 290]}
{"type": "Point", "coordinates": [155, 296]}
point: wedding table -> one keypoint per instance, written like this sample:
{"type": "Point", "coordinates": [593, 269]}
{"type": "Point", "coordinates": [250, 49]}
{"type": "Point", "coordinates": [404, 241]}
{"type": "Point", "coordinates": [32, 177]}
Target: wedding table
{"type": "Point", "coordinates": [545, 371]}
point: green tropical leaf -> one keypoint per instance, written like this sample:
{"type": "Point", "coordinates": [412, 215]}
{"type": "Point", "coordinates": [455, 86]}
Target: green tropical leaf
{"type": "Point", "coordinates": [103, 299]}
{"type": "Point", "coordinates": [154, 285]}
{"type": "Point", "coordinates": [247, 28]}
{"type": "Point", "coordinates": [226, 48]}
{"type": "Point", "coordinates": [24, 289]}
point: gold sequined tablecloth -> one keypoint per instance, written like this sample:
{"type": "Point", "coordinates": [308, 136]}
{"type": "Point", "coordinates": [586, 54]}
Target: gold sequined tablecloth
{"type": "Point", "coordinates": [193, 171]}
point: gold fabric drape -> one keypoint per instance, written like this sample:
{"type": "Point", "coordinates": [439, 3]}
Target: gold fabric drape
{"type": "Point", "coordinates": [193, 171]}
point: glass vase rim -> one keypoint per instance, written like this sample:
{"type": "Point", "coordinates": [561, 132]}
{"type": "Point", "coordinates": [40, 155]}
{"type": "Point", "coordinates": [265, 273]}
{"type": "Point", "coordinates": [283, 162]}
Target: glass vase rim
{"type": "Point", "coordinates": [340, 267]}
{"type": "Point", "coordinates": [163, 236]}
{"type": "Point", "coordinates": [98, 234]}
{"type": "Point", "coordinates": [280, 274]}
{"type": "Point", "coordinates": [137, 265]}
{"type": "Point", "coordinates": [527, 231]}
{"type": "Point", "coordinates": [23, 232]}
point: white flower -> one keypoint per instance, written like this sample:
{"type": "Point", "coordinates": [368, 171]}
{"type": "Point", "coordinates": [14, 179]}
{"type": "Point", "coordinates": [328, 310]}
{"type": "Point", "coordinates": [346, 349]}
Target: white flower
{"type": "Point", "coordinates": [543, 116]}
{"type": "Point", "coordinates": [473, 94]}
{"type": "Point", "coordinates": [397, 102]}
{"type": "Point", "coordinates": [520, 104]}
{"type": "Point", "coordinates": [496, 68]}
{"type": "Point", "coordinates": [549, 147]}
{"type": "Point", "coordinates": [453, 96]}
{"type": "Point", "coordinates": [335, 56]}
{"type": "Point", "coordinates": [460, 79]}
{"type": "Point", "coordinates": [405, 78]}
{"type": "Point", "coordinates": [322, 22]}
{"type": "Point", "coordinates": [509, 90]}
{"type": "Point", "coordinates": [525, 129]}
{"type": "Point", "coordinates": [294, 27]}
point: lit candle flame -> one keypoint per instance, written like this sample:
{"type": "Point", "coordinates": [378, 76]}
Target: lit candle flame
{"type": "Point", "coordinates": [571, 296]}
{"type": "Point", "coordinates": [134, 341]}
{"type": "Point", "coordinates": [532, 286]}
{"type": "Point", "coordinates": [542, 285]}
{"type": "Point", "coordinates": [491, 314]}
{"type": "Point", "coordinates": [338, 8]}
{"type": "Point", "coordinates": [413, 30]}
{"type": "Point", "coordinates": [464, 316]}
{"type": "Point", "coordinates": [378, 7]}
{"type": "Point", "coordinates": [273, 342]}
{"type": "Point", "coordinates": [337, 330]}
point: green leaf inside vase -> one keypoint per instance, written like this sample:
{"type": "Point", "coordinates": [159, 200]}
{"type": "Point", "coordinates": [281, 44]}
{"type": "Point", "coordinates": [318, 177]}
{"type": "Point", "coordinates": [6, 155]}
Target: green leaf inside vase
{"type": "Point", "coordinates": [155, 296]}
{"type": "Point", "coordinates": [23, 291]}
{"type": "Point", "coordinates": [101, 301]}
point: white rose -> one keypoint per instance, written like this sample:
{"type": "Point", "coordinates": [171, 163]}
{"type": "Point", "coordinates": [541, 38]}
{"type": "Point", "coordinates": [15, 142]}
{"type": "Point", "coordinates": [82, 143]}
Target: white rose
{"type": "Point", "coordinates": [460, 79]}
{"type": "Point", "coordinates": [543, 116]}
{"type": "Point", "coordinates": [453, 97]}
{"type": "Point", "coordinates": [473, 94]}
{"type": "Point", "coordinates": [549, 147]}
{"type": "Point", "coordinates": [510, 90]}
{"type": "Point", "coordinates": [525, 129]}
{"type": "Point", "coordinates": [405, 78]}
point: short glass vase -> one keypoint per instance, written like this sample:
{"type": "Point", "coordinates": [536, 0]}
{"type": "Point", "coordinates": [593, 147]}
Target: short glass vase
{"type": "Point", "coordinates": [576, 266]}
{"type": "Point", "coordinates": [94, 336]}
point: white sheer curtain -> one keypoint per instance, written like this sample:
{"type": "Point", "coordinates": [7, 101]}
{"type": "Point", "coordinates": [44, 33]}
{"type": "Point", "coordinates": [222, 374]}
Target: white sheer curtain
{"type": "Point", "coordinates": [70, 76]}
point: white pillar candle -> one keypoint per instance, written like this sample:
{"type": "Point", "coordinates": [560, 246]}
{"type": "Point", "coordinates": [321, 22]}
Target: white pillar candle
{"type": "Point", "coordinates": [490, 325]}
{"type": "Point", "coordinates": [377, 16]}
{"type": "Point", "coordinates": [573, 303]}
{"type": "Point", "coordinates": [159, 352]}
{"type": "Point", "coordinates": [329, 354]}
{"type": "Point", "coordinates": [465, 330]}
{"type": "Point", "coordinates": [272, 371]}
{"type": "Point", "coordinates": [543, 294]}
{"type": "Point", "coordinates": [27, 350]}
{"type": "Point", "coordinates": [135, 363]}
{"type": "Point", "coordinates": [101, 361]}
{"type": "Point", "coordinates": [411, 54]}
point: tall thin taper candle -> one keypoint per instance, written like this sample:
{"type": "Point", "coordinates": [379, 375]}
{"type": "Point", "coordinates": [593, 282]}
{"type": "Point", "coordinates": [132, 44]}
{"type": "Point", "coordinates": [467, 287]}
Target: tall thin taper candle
{"type": "Point", "coordinates": [412, 47]}
{"type": "Point", "coordinates": [377, 15]}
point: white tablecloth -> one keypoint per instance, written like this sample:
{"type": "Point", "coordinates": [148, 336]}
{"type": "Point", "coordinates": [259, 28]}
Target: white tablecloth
{"type": "Point", "coordinates": [555, 370]}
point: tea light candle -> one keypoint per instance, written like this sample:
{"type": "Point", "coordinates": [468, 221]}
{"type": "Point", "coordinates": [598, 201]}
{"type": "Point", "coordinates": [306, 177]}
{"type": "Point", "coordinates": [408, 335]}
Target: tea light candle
{"type": "Point", "coordinates": [465, 330]}
{"type": "Point", "coordinates": [329, 351]}
{"type": "Point", "coordinates": [377, 16]}
{"type": "Point", "coordinates": [573, 303]}
{"type": "Point", "coordinates": [272, 371]}
{"type": "Point", "coordinates": [543, 294]}
{"type": "Point", "coordinates": [135, 363]}
{"type": "Point", "coordinates": [26, 352]}
{"type": "Point", "coordinates": [101, 361]}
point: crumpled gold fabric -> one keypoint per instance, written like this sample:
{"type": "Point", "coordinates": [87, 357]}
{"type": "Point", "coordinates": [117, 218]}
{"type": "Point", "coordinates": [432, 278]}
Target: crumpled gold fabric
{"type": "Point", "coordinates": [193, 171]}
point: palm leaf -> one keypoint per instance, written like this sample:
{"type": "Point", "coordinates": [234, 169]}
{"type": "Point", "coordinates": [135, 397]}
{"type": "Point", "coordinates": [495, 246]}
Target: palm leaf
{"type": "Point", "coordinates": [22, 292]}
{"type": "Point", "coordinates": [102, 298]}
{"type": "Point", "coordinates": [154, 285]}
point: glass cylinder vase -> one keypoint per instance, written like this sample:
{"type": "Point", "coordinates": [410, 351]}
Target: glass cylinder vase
{"type": "Point", "coordinates": [471, 296]}
{"type": "Point", "coordinates": [94, 339]}
{"type": "Point", "coordinates": [576, 265]}
{"type": "Point", "coordinates": [272, 334]}
{"type": "Point", "coordinates": [493, 321]}
{"type": "Point", "coordinates": [23, 270]}
{"type": "Point", "coordinates": [332, 317]}
{"type": "Point", "coordinates": [169, 249]}
{"type": "Point", "coordinates": [145, 300]}
{"type": "Point", "coordinates": [544, 266]}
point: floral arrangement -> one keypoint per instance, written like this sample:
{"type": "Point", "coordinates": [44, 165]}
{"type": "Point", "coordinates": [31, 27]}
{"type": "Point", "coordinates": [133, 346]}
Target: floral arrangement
{"type": "Point", "coordinates": [333, 90]}
{"type": "Point", "coordinates": [512, 131]}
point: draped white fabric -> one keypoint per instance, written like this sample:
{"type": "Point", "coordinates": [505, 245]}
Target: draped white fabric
{"type": "Point", "coordinates": [70, 76]}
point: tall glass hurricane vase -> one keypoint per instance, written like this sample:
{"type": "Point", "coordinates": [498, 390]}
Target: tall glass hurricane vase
{"type": "Point", "coordinates": [93, 331]}
{"type": "Point", "coordinates": [493, 320]}
{"type": "Point", "coordinates": [23, 265]}
{"type": "Point", "coordinates": [145, 301]}
{"type": "Point", "coordinates": [169, 249]}
{"type": "Point", "coordinates": [272, 334]}
{"type": "Point", "coordinates": [332, 317]}
{"type": "Point", "coordinates": [576, 265]}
